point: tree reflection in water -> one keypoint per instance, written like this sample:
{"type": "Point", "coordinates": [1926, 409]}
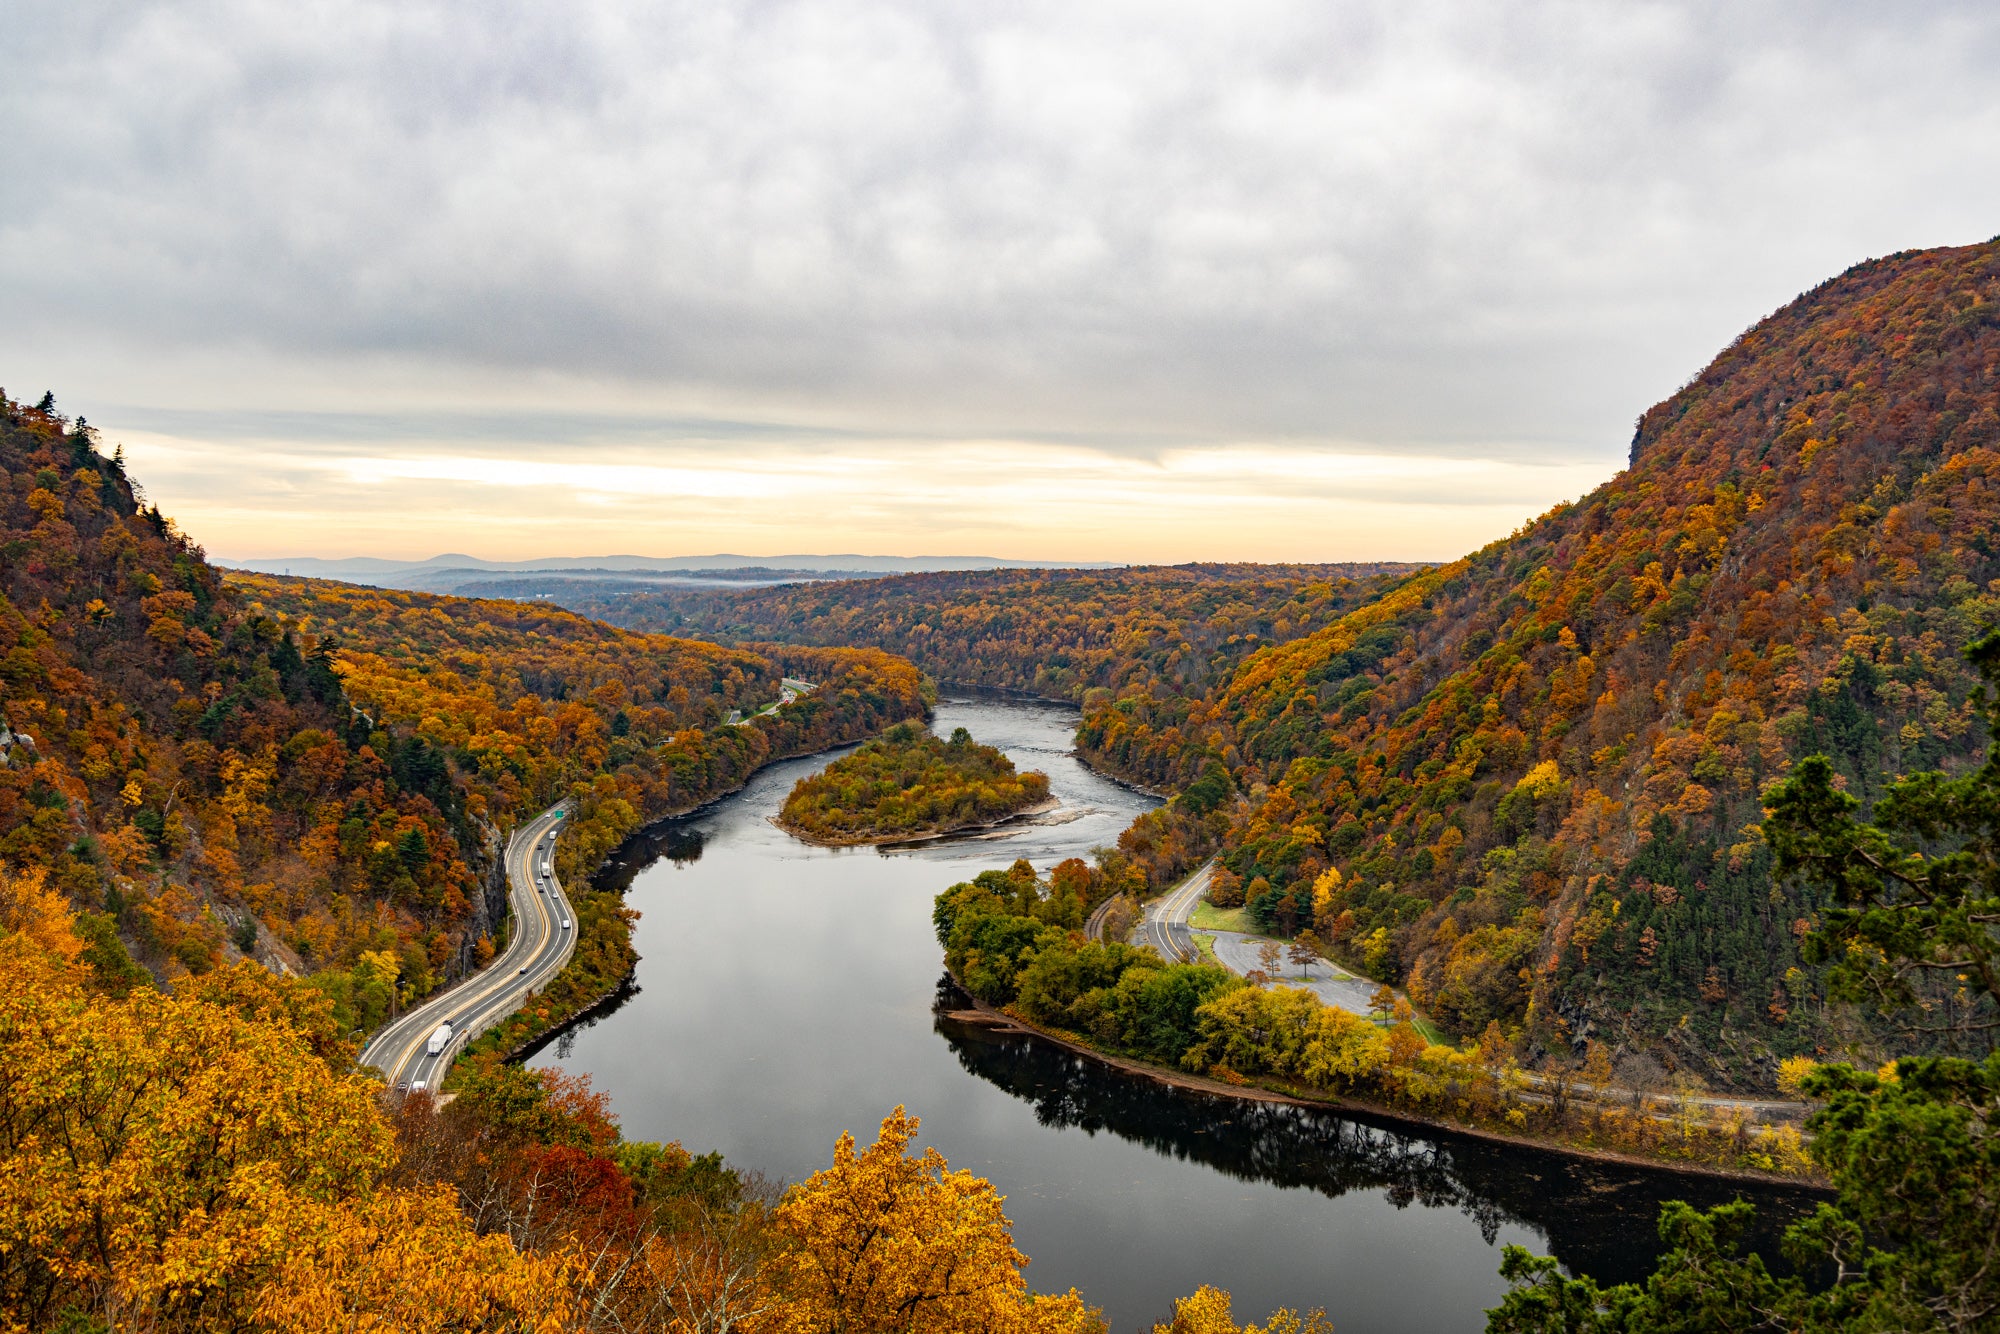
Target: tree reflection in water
{"type": "Point", "coordinates": [1597, 1217]}
{"type": "Point", "coordinates": [678, 840]}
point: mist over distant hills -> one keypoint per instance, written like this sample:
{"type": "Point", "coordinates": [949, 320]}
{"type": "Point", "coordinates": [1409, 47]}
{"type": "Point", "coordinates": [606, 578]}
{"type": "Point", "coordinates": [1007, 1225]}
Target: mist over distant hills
{"type": "Point", "coordinates": [451, 572]}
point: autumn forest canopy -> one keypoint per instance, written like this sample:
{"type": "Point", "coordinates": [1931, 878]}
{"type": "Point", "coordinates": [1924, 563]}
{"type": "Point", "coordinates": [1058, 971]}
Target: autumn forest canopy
{"type": "Point", "coordinates": [1689, 778]}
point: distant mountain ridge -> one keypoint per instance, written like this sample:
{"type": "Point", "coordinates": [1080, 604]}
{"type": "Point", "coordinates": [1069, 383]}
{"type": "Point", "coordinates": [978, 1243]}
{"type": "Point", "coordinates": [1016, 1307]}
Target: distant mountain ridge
{"type": "Point", "coordinates": [452, 571]}
{"type": "Point", "coordinates": [1060, 633]}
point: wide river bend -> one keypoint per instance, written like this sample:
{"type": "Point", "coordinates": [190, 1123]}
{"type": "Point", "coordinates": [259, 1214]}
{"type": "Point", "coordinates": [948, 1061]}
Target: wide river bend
{"type": "Point", "coordinates": [790, 992]}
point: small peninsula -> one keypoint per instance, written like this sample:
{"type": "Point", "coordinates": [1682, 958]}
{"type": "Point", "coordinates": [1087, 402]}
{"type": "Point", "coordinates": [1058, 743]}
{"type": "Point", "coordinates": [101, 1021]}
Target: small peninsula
{"type": "Point", "coordinates": [909, 783]}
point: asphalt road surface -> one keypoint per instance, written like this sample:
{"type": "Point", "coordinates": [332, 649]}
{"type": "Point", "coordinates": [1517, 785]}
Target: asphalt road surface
{"type": "Point", "coordinates": [537, 951]}
{"type": "Point", "coordinates": [1165, 927]}
{"type": "Point", "coordinates": [1334, 985]}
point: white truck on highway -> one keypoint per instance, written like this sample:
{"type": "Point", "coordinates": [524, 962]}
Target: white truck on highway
{"type": "Point", "coordinates": [439, 1038]}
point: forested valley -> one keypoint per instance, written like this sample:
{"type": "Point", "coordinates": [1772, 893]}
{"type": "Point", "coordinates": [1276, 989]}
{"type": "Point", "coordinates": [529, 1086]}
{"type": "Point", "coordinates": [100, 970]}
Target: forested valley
{"type": "Point", "coordinates": [1685, 776]}
{"type": "Point", "coordinates": [1528, 784]}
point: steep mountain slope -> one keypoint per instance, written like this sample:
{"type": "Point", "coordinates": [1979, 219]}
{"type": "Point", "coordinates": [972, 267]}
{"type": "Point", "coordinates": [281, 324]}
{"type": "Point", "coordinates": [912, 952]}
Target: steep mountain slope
{"type": "Point", "coordinates": [172, 754]}
{"type": "Point", "coordinates": [1059, 633]}
{"type": "Point", "coordinates": [1528, 782]}
{"type": "Point", "coordinates": [322, 777]}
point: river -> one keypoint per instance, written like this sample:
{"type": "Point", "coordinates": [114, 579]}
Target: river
{"type": "Point", "coordinates": [787, 993]}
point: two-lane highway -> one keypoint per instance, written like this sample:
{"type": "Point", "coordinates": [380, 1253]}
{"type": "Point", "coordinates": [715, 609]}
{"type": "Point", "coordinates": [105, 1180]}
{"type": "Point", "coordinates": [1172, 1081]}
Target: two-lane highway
{"type": "Point", "coordinates": [543, 938]}
{"type": "Point", "coordinates": [1165, 927]}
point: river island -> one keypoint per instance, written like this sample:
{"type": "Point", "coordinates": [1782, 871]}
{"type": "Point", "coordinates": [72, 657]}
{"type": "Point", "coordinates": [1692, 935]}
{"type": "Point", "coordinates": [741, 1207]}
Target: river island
{"type": "Point", "coordinates": [909, 783]}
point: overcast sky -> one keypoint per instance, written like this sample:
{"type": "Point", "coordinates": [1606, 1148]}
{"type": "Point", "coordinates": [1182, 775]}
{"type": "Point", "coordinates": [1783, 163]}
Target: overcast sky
{"type": "Point", "coordinates": [1093, 281]}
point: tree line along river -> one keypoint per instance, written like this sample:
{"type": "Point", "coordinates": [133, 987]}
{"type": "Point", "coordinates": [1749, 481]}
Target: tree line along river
{"type": "Point", "coordinates": [788, 992]}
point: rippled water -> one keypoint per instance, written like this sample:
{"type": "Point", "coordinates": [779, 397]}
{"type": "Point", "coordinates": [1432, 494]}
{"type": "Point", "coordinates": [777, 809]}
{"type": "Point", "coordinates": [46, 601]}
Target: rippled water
{"type": "Point", "coordinates": [788, 993]}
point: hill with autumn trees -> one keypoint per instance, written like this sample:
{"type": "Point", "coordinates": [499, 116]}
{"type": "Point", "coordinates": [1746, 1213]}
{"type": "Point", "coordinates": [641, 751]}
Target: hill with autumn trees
{"type": "Point", "coordinates": [1528, 783]}
{"type": "Point", "coordinates": [532, 703]}
{"type": "Point", "coordinates": [319, 777]}
{"type": "Point", "coordinates": [183, 769]}
{"type": "Point", "coordinates": [1056, 633]}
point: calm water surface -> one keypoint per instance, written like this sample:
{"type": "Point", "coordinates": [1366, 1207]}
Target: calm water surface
{"type": "Point", "coordinates": [788, 993]}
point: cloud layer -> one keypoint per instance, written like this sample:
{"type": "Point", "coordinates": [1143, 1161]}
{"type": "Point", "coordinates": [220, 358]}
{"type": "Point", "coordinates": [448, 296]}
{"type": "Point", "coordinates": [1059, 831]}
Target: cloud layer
{"type": "Point", "coordinates": [1434, 232]}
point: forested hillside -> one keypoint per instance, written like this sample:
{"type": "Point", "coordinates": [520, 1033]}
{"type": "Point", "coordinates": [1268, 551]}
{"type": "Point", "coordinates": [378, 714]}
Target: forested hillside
{"type": "Point", "coordinates": [321, 777]}
{"type": "Point", "coordinates": [184, 767]}
{"type": "Point", "coordinates": [1057, 633]}
{"type": "Point", "coordinates": [1528, 783]}
{"type": "Point", "coordinates": [529, 701]}
{"type": "Point", "coordinates": [508, 707]}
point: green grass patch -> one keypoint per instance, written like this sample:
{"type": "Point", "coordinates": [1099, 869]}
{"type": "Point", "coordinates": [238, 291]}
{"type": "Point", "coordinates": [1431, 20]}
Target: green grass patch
{"type": "Point", "coordinates": [1208, 917]}
{"type": "Point", "coordinates": [1205, 946]}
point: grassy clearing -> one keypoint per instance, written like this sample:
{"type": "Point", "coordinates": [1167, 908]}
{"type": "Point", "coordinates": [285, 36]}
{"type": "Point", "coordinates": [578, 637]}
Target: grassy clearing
{"type": "Point", "coordinates": [1207, 917]}
{"type": "Point", "coordinates": [1205, 946]}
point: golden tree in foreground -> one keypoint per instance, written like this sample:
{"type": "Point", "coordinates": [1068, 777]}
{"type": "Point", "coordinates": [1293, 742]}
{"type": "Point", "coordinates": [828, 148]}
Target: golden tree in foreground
{"type": "Point", "coordinates": [1207, 1312]}
{"type": "Point", "coordinates": [167, 1163]}
{"type": "Point", "coordinates": [886, 1241]}
{"type": "Point", "coordinates": [210, 1160]}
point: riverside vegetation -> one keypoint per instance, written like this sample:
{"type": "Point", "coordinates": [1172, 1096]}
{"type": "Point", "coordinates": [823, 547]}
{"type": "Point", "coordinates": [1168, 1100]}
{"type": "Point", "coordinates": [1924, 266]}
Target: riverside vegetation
{"type": "Point", "coordinates": [908, 783]}
{"type": "Point", "coordinates": [1688, 770]}
{"type": "Point", "coordinates": [212, 786]}
{"type": "Point", "coordinates": [1013, 940]}
{"type": "Point", "coordinates": [1527, 785]}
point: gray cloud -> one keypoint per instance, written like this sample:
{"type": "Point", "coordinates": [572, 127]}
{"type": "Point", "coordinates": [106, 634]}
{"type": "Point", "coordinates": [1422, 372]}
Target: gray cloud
{"type": "Point", "coordinates": [1485, 228]}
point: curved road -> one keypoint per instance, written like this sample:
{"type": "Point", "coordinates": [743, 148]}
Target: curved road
{"type": "Point", "coordinates": [536, 952]}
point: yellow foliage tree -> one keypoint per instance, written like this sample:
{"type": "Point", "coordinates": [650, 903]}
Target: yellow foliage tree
{"type": "Point", "coordinates": [406, 1261]}
{"type": "Point", "coordinates": [887, 1241]}
{"type": "Point", "coordinates": [29, 906]}
{"type": "Point", "coordinates": [1207, 1312]}
{"type": "Point", "coordinates": [171, 1162]}
{"type": "Point", "coordinates": [1323, 892]}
